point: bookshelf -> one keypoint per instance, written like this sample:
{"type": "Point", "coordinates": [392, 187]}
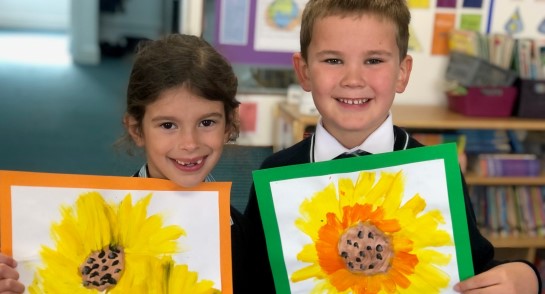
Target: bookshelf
{"type": "Point", "coordinates": [440, 118]}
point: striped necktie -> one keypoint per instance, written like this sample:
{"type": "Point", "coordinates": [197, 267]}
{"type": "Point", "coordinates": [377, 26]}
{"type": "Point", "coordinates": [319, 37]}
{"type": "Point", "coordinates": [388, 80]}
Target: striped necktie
{"type": "Point", "coordinates": [355, 153]}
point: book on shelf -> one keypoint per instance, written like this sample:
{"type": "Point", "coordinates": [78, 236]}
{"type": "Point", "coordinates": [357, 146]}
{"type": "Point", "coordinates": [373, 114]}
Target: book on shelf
{"type": "Point", "coordinates": [464, 41]}
{"type": "Point", "coordinates": [513, 214]}
{"type": "Point", "coordinates": [528, 221]}
{"type": "Point", "coordinates": [508, 165]}
{"type": "Point", "coordinates": [501, 48]}
{"type": "Point", "coordinates": [492, 220]}
{"type": "Point", "coordinates": [538, 210]}
{"type": "Point", "coordinates": [486, 141]}
{"type": "Point", "coordinates": [509, 211]}
{"type": "Point", "coordinates": [539, 54]}
{"type": "Point", "coordinates": [530, 58]}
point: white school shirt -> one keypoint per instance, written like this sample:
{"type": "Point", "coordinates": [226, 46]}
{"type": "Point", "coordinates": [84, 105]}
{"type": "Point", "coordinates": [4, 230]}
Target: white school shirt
{"type": "Point", "coordinates": [326, 147]}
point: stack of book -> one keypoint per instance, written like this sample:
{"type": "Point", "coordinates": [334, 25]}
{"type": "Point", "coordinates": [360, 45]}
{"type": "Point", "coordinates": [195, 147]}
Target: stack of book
{"type": "Point", "coordinates": [525, 55]}
{"type": "Point", "coordinates": [486, 141]}
{"type": "Point", "coordinates": [509, 211]}
{"type": "Point", "coordinates": [507, 165]}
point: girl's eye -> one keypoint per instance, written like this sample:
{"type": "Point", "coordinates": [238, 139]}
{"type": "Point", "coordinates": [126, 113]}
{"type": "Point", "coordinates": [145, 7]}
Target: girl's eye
{"type": "Point", "coordinates": [207, 123]}
{"type": "Point", "coordinates": [167, 125]}
{"type": "Point", "coordinates": [373, 61]}
{"type": "Point", "coordinates": [333, 61]}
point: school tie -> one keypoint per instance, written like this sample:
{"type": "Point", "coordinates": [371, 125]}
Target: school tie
{"type": "Point", "coordinates": [354, 153]}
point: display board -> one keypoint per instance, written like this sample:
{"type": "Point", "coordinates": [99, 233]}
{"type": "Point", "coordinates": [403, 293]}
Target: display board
{"type": "Point", "coordinates": [266, 32]}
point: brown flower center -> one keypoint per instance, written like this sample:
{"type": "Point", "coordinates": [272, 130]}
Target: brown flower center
{"type": "Point", "coordinates": [103, 269]}
{"type": "Point", "coordinates": [365, 249]}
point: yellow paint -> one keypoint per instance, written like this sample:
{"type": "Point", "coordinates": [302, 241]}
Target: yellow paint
{"type": "Point", "coordinates": [93, 224]}
{"type": "Point", "coordinates": [414, 267]}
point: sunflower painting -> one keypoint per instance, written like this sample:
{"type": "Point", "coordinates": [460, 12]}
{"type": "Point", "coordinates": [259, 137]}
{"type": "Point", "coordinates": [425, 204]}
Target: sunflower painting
{"type": "Point", "coordinates": [105, 240]}
{"type": "Point", "coordinates": [386, 223]}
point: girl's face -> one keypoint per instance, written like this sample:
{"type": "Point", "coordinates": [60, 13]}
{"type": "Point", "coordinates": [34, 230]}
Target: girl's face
{"type": "Point", "coordinates": [183, 136]}
{"type": "Point", "coordinates": [353, 71]}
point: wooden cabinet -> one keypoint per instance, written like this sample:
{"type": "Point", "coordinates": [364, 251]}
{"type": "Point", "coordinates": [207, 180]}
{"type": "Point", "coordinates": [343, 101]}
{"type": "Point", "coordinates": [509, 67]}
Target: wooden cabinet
{"type": "Point", "coordinates": [440, 118]}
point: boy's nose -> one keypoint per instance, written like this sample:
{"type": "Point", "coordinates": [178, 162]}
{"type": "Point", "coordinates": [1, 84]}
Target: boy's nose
{"type": "Point", "coordinates": [353, 77]}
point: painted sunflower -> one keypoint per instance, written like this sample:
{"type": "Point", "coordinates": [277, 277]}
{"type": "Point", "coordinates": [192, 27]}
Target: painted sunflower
{"type": "Point", "coordinates": [364, 241]}
{"type": "Point", "coordinates": [107, 248]}
{"type": "Point", "coordinates": [181, 280]}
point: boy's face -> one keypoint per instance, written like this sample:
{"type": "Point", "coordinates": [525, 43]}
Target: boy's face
{"type": "Point", "coordinates": [183, 135]}
{"type": "Point", "coordinates": [353, 71]}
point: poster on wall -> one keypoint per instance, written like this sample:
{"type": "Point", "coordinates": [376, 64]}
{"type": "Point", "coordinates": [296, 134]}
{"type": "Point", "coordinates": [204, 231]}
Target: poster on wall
{"type": "Point", "coordinates": [74, 233]}
{"type": "Point", "coordinates": [277, 25]}
{"type": "Point", "coordinates": [392, 221]}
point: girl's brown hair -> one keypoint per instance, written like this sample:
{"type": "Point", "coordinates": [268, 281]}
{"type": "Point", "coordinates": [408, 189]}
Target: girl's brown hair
{"type": "Point", "coordinates": [182, 60]}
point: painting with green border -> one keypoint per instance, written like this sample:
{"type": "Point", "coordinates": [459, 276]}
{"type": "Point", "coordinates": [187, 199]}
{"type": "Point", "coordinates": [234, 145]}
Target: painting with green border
{"type": "Point", "coordinates": [383, 223]}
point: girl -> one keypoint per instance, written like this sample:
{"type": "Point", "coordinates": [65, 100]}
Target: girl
{"type": "Point", "coordinates": [181, 110]}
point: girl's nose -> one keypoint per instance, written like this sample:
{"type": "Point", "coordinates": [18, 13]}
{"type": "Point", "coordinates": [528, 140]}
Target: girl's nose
{"type": "Point", "coordinates": [188, 140]}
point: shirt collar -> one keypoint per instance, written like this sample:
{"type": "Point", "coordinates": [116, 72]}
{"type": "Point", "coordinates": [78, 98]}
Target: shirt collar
{"type": "Point", "coordinates": [326, 147]}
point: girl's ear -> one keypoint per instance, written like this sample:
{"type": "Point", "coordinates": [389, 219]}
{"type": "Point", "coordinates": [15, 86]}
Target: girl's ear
{"type": "Point", "coordinates": [301, 69]}
{"type": "Point", "coordinates": [134, 130]}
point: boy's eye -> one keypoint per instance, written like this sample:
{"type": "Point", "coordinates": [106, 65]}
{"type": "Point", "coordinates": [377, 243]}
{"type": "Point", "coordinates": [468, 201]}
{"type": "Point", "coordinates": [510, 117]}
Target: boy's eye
{"type": "Point", "coordinates": [207, 123]}
{"type": "Point", "coordinates": [373, 61]}
{"type": "Point", "coordinates": [333, 61]}
{"type": "Point", "coordinates": [167, 125]}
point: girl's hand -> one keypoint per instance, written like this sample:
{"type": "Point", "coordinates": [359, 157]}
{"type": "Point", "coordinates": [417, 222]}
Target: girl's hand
{"type": "Point", "coordinates": [9, 276]}
{"type": "Point", "coordinates": [508, 278]}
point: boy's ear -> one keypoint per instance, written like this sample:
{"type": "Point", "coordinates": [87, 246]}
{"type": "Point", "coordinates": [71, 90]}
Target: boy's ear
{"type": "Point", "coordinates": [404, 74]}
{"type": "Point", "coordinates": [133, 129]}
{"type": "Point", "coordinates": [301, 69]}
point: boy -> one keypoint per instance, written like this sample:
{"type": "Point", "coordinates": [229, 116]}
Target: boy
{"type": "Point", "coordinates": [354, 60]}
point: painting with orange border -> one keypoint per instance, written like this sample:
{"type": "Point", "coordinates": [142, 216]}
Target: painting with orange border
{"type": "Point", "coordinates": [109, 234]}
{"type": "Point", "coordinates": [384, 223]}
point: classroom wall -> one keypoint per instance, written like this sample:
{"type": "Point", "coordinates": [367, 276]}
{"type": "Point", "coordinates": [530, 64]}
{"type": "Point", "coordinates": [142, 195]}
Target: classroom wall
{"type": "Point", "coordinates": [426, 83]}
{"type": "Point", "coordinates": [34, 14]}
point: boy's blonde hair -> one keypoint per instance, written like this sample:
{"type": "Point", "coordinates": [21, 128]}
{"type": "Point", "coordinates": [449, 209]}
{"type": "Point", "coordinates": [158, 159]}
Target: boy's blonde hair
{"type": "Point", "coordinates": [395, 10]}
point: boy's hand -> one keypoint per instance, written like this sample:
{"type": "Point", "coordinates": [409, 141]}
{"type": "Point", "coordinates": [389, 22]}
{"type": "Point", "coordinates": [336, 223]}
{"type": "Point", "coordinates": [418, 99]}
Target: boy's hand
{"type": "Point", "coordinates": [9, 276]}
{"type": "Point", "coordinates": [508, 278]}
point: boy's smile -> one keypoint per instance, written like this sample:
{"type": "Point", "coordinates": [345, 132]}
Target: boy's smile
{"type": "Point", "coordinates": [183, 135]}
{"type": "Point", "coordinates": [353, 71]}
